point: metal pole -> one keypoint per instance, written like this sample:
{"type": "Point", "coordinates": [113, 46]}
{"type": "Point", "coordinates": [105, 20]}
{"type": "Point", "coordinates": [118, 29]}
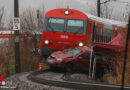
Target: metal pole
{"type": "Point", "coordinates": [38, 17]}
{"type": "Point", "coordinates": [94, 68]}
{"type": "Point", "coordinates": [98, 8]}
{"type": "Point", "coordinates": [90, 64]}
{"type": "Point", "coordinates": [17, 48]}
{"type": "Point", "coordinates": [125, 56]}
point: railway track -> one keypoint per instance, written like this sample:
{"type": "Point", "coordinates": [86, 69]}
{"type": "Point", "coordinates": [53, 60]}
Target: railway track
{"type": "Point", "coordinates": [34, 76]}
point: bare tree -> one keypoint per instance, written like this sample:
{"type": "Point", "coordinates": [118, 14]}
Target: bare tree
{"type": "Point", "coordinates": [28, 20]}
{"type": "Point", "coordinates": [10, 24]}
{"type": "Point", "coordinates": [32, 19]}
{"type": "Point", "coordinates": [41, 18]}
{"type": "Point", "coordinates": [107, 11]}
{"type": "Point", "coordinates": [125, 15]}
{"type": "Point", "coordinates": [1, 16]}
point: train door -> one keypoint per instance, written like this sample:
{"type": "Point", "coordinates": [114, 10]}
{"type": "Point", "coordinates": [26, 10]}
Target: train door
{"type": "Point", "coordinates": [90, 32]}
{"type": "Point", "coordinates": [98, 32]}
{"type": "Point", "coordinates": [116, 30]}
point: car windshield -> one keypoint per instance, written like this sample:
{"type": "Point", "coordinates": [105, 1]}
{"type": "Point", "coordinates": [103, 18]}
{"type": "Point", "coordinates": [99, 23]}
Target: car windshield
{"type": "Point", "coordinates": [75, 26]}
{"type": "Point", "coordinates": [74, 52]}
{"type": "Point", "coordinates": [55, 25]}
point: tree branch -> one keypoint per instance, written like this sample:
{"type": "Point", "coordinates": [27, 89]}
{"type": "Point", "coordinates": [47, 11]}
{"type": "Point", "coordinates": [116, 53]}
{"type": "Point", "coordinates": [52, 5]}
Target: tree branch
{"type": "Point", "coordinates": [107, 1]}
{"type": "Point", "coordinates": [113, 0]}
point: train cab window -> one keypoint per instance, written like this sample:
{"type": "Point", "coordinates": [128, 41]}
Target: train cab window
{"type": "Point", "coordinates": [75, 26]}
{"type": "Point", "coordinates": [55, 24]}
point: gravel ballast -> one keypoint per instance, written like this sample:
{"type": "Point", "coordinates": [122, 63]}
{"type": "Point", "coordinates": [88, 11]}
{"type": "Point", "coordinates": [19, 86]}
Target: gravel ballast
{"type": "Point", "coordinates": [20, 82]}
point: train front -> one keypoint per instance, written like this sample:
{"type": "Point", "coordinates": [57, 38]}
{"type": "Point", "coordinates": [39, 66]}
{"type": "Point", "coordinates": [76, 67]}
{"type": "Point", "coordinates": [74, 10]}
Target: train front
{"type": "Point", "coordinates": [64, 28]}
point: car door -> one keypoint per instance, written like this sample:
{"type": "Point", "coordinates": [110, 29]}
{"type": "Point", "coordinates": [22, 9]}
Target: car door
{"type": "Point", "coordinates": [101, 62]}
{"type": "Point", "coordinates": [82, 62]}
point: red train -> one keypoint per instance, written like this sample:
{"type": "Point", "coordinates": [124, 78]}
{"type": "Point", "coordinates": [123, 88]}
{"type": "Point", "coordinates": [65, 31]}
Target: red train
{"type": "Point", "coordinates": [68, 28]}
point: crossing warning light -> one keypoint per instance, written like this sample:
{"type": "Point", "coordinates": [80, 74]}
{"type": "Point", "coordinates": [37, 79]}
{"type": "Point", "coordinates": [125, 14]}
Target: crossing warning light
{"type": "Point", "coordinates": [40, 67]}
{"type": "Point", "coordinates": [2, 81]}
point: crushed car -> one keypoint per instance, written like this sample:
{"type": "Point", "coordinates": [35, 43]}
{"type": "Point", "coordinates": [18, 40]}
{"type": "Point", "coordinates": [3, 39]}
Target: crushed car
{"type": "Point", "coordinates": [78, 59]}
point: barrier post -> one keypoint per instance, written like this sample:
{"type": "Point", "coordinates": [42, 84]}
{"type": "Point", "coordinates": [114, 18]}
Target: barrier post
{"type": "Point", "coordinates": [40, 66]}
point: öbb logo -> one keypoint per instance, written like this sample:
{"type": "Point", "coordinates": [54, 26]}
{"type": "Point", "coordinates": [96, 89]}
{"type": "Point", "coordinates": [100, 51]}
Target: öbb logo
{"type": "Point", "coordinates": [3, 83]}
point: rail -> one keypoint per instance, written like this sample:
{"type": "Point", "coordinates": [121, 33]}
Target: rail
{"type": "Point", "coordinates": [68, 83]}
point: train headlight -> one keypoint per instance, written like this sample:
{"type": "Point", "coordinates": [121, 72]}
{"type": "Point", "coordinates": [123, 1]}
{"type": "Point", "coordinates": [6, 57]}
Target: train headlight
{"type": "Point", "coordinates": [81, 44]}
{"type": "Point", "coordinates": [66, 12]}
{"type": "Point", "coordinates": [46, 41]}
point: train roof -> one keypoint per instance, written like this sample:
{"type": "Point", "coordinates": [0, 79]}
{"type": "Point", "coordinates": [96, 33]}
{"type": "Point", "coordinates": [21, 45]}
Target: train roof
{"type": "Point", "coordinates": [76, 14]}
{"type": "Point", "coordinates": [71, 13]}
{"type": "Point", "coordinates": [106, 21]}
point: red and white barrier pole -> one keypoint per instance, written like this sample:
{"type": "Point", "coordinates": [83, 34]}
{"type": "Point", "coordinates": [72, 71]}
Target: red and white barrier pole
{"type": "Point", "coordinates": [2, 80]}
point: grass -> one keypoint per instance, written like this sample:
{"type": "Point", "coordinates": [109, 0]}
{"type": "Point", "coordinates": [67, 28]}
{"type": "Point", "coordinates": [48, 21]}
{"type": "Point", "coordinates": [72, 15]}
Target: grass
{"type": "Point", "coordinates": [11, 62]}
{"type": "Point", "coordinates": [29, 60]}
{"type": "Point", "coordinates": [119, 68]}
{"type": "Point", "coordinates": [3, 63]}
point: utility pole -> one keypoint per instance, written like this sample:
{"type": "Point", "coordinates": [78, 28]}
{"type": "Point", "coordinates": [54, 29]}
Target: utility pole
{"type": "Point", "coordinates": [16, 32]}
{"type": "Point", "coordinates": [38, 17]}
{"type": "Point", "coordinates": [98, 8]}
{"type": "Point", "coordinates": [125, 56]}
{"type": "Point", "coordinates": [67, 6]}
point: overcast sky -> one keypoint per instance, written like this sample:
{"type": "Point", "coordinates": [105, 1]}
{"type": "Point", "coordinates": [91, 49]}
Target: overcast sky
{"type": "Point", "coordinates": [49, 4]}
{"type": "Point", "coordinates": [84, 5]}
{"type": "Point", "coordinates": [37, 4]}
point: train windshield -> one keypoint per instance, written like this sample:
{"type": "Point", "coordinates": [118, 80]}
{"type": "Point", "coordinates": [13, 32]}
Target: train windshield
{"type": "Point", "coordinates": [75, 26]}
{"type": "Point", "coordinates": [55, 25]}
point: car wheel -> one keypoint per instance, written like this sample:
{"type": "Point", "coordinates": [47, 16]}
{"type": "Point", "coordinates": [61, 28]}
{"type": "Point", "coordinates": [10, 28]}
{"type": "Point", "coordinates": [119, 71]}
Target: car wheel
{"type": "Point", "coordinates": [69, 67]}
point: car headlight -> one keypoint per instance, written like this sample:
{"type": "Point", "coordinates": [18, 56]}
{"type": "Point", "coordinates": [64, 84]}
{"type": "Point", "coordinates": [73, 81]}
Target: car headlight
{"type": "Point", "coordinates": [46, 41]}
{"type": "Point", "coordinates": [81, 44]}
{"type": "Point", "coordinates": [59, 59]}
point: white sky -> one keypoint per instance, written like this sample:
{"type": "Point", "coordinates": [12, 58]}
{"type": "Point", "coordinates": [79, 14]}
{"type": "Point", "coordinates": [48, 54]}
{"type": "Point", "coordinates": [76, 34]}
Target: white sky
{"type": "Point", "coordinates": [49, 4]}
{"type": "Point", "coordinates": [84, 5]}
{"type": "Point", "coordinates": [37, 4]}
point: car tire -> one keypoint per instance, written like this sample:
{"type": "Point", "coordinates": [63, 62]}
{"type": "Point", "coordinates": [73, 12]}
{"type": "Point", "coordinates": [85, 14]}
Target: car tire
{"type": "Point", "coordinates": [69, 67]}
